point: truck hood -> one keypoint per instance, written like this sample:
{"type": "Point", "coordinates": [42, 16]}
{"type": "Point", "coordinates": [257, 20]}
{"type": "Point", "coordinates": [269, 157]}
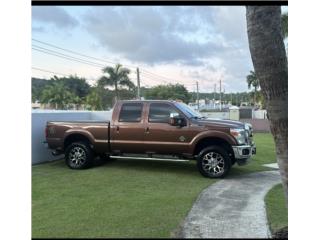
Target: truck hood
{"type": "Point", "coordinates": [220, 123]}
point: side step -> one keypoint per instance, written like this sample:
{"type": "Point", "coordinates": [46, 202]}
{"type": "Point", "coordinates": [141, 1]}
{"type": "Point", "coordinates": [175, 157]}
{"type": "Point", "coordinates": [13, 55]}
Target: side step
{"type": "Point", "coordinates": [157, 159]}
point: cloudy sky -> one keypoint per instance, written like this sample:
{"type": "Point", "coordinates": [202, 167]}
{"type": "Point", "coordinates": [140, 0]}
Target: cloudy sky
{"type": "Point", "coordinates": [169, 44]}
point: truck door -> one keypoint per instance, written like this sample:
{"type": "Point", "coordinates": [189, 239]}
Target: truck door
{"type": "Point", "coordinates": [160, 136]}
{"type": "Point", "coordinates": [127, 132]}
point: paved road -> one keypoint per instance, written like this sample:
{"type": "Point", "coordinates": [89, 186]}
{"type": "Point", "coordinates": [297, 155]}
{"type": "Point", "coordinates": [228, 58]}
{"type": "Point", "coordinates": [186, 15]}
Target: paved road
{"type": "Point", "coordinates": [231, 208]}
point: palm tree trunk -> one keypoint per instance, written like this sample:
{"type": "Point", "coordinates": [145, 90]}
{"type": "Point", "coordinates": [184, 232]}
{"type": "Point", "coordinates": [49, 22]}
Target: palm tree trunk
{"type": "Point", "coordinates": [116, 90]}
{"type": "Point", "coordinates": [254, 96]}
{"type": "Point", "coordinates": [270, 63]}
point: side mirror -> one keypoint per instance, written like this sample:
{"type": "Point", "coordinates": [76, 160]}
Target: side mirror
{"type": "Point", "coordinates": [176, 120]}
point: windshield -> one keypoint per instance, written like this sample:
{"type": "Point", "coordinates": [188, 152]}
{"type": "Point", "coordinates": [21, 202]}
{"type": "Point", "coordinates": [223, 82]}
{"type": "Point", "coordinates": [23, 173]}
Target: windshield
{"type": "Point", "coordinates": [188, 111]}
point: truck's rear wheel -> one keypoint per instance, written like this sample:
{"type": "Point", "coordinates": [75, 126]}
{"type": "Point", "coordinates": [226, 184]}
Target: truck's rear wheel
{"type": "Point", "coordinates": [214, 162]}
{"type": "Point", "coordinates": [79, 155]}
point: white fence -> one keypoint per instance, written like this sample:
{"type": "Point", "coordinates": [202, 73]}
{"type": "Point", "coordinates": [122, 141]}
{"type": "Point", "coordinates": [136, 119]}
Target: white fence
{"type": "Point", "coordinates": [259, 114]}
{"type": "Point", "coordinates": [39, 119]}
{"type": "Point", "coordinates": [232, 114]}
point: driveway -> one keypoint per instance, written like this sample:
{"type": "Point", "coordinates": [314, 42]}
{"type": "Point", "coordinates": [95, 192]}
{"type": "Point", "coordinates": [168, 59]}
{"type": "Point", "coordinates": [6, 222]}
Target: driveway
{"type": "Point", "coordinates": [232, 208]}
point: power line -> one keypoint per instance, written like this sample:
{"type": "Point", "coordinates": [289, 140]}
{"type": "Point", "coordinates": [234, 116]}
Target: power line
{"type": "Point", "coordinates": [99, 59]}
{"type": "Point", "coordinates": [169, 79]}
{"type": "Point", "coordinates": [43, 70]}
{"type": "Point", "coordinates": [150, 75]}
{"type": "Point", "coordinates": [68, 58]}
{"type": "Point", "coordinates": [80, 54]}
{"type": "Point", "coordinates": [154, 77]}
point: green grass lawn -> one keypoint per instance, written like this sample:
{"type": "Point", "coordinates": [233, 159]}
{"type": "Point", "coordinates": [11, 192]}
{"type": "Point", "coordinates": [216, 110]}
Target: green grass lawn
{"type": "Point", "coordinates": [265, 154]}
{"type": "Point", "coordinates": [277, 211]}
{"type": "Point", "coordinates": [124, 198]}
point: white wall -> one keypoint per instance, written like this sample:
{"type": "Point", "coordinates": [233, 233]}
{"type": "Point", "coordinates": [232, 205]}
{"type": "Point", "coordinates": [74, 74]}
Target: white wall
{"type": "Point", "coordinates": [39, 119]}
{"type": "Point", "coordinates": [259, 114]}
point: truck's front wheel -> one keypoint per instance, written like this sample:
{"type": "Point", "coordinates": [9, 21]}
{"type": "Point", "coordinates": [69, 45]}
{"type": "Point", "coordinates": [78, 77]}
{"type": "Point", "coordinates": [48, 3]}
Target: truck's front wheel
{"type": "Point", "coordinates": [214, 162]}
{"type": "Point", "coordinates": [79, 155]}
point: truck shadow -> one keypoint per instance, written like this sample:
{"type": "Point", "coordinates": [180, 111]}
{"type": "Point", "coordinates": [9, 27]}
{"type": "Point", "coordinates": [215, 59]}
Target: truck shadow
{"type": "Point", "coordinates": [156, 166]}
{"type": "Point", "coordinates": [188, 167]}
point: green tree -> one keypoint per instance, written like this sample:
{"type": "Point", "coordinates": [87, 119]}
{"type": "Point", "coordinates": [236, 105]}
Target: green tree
{"type": "Point", "coordinates": [284, 25]}
{"type": "Point", "coordinates": [168, 92]}
{"type": "Point", "coordinates": [117, 76]}
{"type": "Point", "coordinates": [94, 99]}
{"type": "Point", "coordinates": [271, 66]}
{"type": "Point", "coordinates": [37, 86]}
{"type": "Point", "coordinates": [58, 95]}
{"type": "Point", "coordinates": [253, 81]}
{"type": "Point", "coordinates": [74, 84]}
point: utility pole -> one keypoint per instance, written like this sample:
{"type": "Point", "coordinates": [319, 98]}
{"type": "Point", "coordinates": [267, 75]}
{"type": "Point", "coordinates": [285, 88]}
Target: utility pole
{"type": "Point", "coordinates": [220, 95]}
{"type": "Point", "coordinates": [231, 98]}
{"type": "Point", "coordinates": [138, 83]}
{"type": "Point", "coordinates": [215, 90]}
{"type": "Point", "coordinates": [198, 96]}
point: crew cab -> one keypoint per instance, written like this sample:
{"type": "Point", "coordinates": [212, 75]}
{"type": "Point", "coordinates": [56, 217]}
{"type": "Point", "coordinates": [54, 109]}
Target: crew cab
{"type": "Point", "coordinates": [154, 129]}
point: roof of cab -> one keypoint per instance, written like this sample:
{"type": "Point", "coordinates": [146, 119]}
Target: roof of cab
{"type": "Point", "coordinates": [121, 101]}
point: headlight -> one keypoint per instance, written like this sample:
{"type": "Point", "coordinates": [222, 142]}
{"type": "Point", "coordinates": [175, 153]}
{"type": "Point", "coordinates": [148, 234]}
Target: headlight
{"type": "Point", "coordinates": [239, 134]}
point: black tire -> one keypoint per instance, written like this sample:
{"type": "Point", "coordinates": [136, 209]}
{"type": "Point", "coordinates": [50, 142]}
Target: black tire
{"type": "Point", "coordinates": [78, 155]}
{"type": "Point", "coordinates": [216, 165]}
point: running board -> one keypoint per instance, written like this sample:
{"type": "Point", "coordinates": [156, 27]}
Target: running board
{"type": "Point", "coordinates": [158, 159]}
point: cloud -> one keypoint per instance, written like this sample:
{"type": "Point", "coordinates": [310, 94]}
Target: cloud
{"type": "Point", "coordinates": [155, 34]}
{"type": "Point", "coordinates": [53, 15]}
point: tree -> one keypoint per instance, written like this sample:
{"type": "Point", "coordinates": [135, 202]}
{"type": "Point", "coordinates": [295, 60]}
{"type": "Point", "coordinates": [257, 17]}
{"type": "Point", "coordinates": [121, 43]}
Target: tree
{"type": "Point", "coordinates": [253, 81]}
{"type": "Point", "coordinates": [74, 84]}
{"type": "Point", "coordinates": [38, 85]}
{"type": "Point", "coordinates": [58, 95]}
{"type": "Point", "coordinates": [117, 76]}
{"type": "Point", "coordinates": [284, 25]}
{"type": "Point", "coordinates": [168, 92]}
{"type": "Point", "coordinates": [270, 64]}
{"type": "Point", "coordinates": [94, 99]}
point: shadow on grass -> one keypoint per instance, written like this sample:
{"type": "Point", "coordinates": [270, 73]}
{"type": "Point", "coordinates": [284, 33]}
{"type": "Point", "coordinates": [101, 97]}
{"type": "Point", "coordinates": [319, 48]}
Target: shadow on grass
{"type": "Point", "coordinates": [155, 166]}
{"type": "Point", "coordinates": [187, 168]}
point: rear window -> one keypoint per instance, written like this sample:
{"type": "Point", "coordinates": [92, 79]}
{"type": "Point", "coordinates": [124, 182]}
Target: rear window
{"type": "Point", "coordinates": [130, 112]}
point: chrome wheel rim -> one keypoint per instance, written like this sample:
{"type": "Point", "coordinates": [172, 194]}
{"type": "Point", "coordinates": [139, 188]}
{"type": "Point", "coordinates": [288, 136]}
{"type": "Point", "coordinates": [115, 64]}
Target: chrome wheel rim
{"type": "Point", "coordinates": [213, 164]}
{"type": "Point", "coordinates": [77, 157]}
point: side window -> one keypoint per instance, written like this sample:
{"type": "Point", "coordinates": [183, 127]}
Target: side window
{"type": "Point", "coordinates": [130, 112]}
{"type": "Point", "coordinates": [160, 112]}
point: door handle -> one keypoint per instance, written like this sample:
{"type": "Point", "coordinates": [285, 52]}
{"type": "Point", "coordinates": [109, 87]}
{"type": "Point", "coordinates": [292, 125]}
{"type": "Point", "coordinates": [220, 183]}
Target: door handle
{"type": "Point", "coordinates": [147, 130]}
{"type": "Point", "coordinates": [117, 129]}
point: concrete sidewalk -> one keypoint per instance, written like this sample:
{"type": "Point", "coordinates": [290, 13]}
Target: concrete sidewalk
{"type": "Point", "coordinates": [231, 208]}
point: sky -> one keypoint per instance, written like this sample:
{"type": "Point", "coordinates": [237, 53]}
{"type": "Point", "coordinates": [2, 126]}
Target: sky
{"type": "Point", "coordinates": [169, 44]}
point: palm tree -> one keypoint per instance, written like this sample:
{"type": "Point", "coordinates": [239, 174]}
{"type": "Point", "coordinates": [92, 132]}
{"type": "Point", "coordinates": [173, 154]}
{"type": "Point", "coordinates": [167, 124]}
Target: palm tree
{"type": "Point", "coordinates": [271, 66]}
{"type": "Point", "coordinates": [253, 81]}
{"type": "Point", "coordinates": [93, 99]}
{"type": "Point", "coordinates": [117, 76]}
{"type": "Point", "coordinates": [57, 94]}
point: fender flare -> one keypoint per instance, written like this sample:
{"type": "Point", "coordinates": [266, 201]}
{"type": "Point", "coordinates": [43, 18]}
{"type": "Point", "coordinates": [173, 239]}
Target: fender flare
{"type": "Point", "coordinates": [212, 134]}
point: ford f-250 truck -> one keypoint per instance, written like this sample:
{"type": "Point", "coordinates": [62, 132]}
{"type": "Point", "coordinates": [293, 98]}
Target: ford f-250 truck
{"type": "Point", "coordinates": [154, 129]}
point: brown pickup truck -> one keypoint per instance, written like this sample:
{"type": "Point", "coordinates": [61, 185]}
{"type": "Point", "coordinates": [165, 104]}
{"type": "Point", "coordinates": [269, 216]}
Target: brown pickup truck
{"type": "Point", "coordinates": [154, 129]}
